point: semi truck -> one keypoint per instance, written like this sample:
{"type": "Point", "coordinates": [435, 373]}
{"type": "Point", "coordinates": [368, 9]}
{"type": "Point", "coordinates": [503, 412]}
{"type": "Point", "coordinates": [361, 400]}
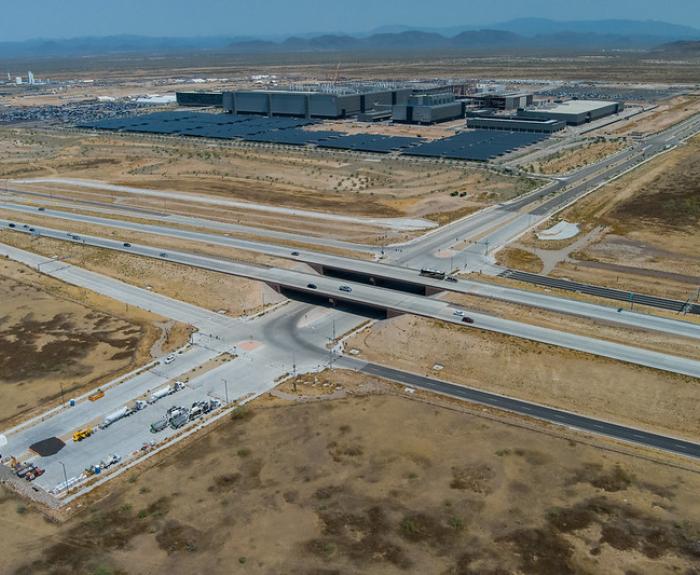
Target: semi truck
{"type": "Point", "coordinates": [432, 273]}
{"type": "Point", "coordinates": [165, 391]}
{"type": "Point", "coordinates": [122, 412]}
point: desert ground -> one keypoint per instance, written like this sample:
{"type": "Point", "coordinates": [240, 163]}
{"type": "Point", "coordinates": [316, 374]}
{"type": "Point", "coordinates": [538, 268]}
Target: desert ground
{"type": "Point", "coordinates": [638, 233]}
{"type": "Point", "coordinates": [607, 389]}
{"type": "Point", "coordinates": [373, 483]}
{"type": "Point", "coordinates": [60, 341]}
{"type": "Point", "coordinates": [215, 291]}
{"type": "Point", "coordinates": [583, 154]}
{"type": "Point", "coordinates": [337, 182]}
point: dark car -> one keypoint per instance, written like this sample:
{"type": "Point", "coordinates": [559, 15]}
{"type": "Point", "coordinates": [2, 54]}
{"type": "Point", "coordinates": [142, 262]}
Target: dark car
{"type": "Point", "coordinates": [452, 279]}
{"type": "Point", "coordinates": [31, 229]}
{"type": "Point", "coordinates": [311, 286]}
{"type": "Point", "coordinates": [127, 245]}
{"type": "Point", "coordinates": [11, 225]}
{"type": "Point", "coordinates": [41, 209]}
{"type": "Point", "coordinates": [347, 289]}
{"type": "Point", "coordinates": [163, 255]}
{"type": "Point", "coordinates": [467, 319]}
{"type": "Point", "coordinates": [295, 253]}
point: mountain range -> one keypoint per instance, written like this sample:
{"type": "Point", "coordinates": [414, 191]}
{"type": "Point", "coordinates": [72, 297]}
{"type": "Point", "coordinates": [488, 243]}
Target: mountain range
{"type": "Point", "coordinates": [505, 37]}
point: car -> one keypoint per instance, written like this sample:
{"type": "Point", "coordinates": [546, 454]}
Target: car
{"type": "Point", "coordinates": [31, 229]}
{"type": "Point", "coordinates": [311, 286]}
{"type": "Point", "coordinates": [163, 255]}
{"type": "Point", "coordinates": [458, 312]}
{"type": "Point", "coordinates": [127, 245]}
{"type": "Point", "coordinates": [169, 359]}
{"type": "Point", "coordinates": [467, 319]}
{"type": "Point", "coordinates": [295, 253]}
{"type": "Point", "coordinates": [11, 225]}
{"type": "Point", "coordinates": [346, 289]}
{"type": "Point", "coordinates": [25, 226]}
{"type": "Point", "coordinates": [42, 209]}
{"type": "Point", "coordinates": [452, 279]}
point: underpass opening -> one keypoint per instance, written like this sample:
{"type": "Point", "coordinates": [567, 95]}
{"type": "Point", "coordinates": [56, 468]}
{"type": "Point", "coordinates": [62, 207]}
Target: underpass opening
{"type": "Point", "coordinates": [369, 279]}
{"type": "Point", "coordinates": [367, 311]}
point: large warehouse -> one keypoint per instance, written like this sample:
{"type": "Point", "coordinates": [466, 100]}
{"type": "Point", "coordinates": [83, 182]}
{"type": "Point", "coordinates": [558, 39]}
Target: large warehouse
{"type": "Point", "coordinates": [199, 99]}
{"type": "Point", "coordinates": [574, 112]}
{"type": "Point", "coordinates": [312, 104]}
{"type": "Point", "coordinates": [428, 109]}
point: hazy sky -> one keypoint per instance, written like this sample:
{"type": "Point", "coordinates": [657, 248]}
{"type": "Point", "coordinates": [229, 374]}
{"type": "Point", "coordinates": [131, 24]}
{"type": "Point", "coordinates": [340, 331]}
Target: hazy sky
{"type": "Point", "coordinates": [22, 19]}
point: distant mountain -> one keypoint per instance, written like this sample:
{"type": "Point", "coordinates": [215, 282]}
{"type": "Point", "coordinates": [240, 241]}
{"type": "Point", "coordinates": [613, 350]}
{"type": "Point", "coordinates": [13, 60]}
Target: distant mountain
{"type": "Point", "coordinates": [628, 28]}
{"type": "Point", "coordinates": [522, 34]}
{"type": "Point", "coordinates": [531, 27]}
{"type": "Point", "coordinates": [683, 48]}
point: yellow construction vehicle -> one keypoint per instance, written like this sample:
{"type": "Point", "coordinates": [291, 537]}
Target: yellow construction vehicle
{"type": "Point", "coordinates": [82, 434]}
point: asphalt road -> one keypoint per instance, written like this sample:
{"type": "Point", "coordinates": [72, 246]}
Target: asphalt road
{"type": "Point", "coordinates": [556, 416]}
{"type": "Point", "coordinates": [388, 271]}
{"type": "Point", "coordinates": [328, 288]}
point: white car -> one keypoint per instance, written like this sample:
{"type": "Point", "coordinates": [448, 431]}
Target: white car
{"type": "Point", "coordinates": [458, 313]}
{"type": "Point", "coordinates": [169, 359]}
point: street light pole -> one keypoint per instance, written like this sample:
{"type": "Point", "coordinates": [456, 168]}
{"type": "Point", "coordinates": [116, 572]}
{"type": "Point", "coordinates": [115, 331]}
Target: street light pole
{"type": "Point", "coordinates": [65, 474]}
{"type": "Point", "coordinates": [225, 389]}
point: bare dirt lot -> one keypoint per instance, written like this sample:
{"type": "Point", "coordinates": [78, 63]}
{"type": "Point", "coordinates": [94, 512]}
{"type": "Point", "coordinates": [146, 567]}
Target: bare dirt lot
{"type": "Point", "coordinates": [649, 241]}
{"type": "Point", "coordinates": [666, 114]}
{"type": "Point", "coordinates": [372, 484]}
{"type": "Point", "coordinates": [323, 181]}
{"type": "Point", "coordinates": [577, 157]}
{"type": "Point", "coordinates": [56, 338]}
{"type": "Point", "coordinates": [536, 372]}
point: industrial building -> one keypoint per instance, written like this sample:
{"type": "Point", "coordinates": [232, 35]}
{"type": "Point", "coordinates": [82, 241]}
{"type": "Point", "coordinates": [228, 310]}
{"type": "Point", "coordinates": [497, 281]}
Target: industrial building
{"type": "Point", "coordinates": [502, 101]}
{"type": "Point", "coordinates": [321, 103]}
{"type": "Point", "coordinates": [515, 124]}
{"type": "Point", "coordinates": [428, 109]}
{"type": "Point", "coordinates": [574, 112]}
{"type": "Point", "coordinates": [200, 99]}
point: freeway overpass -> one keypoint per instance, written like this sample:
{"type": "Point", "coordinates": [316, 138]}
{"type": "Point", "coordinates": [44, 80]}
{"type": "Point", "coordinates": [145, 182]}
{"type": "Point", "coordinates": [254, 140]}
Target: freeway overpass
{"type": "Point", "coordinates": [386, 275]}
{"type": "Point", "coordinates": [326, 290]}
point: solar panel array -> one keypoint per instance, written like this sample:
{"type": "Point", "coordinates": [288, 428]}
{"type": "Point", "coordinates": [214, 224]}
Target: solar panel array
{"type": "Point", "coordinates": [475, 145]}
{"type": "Point", "coordinates": [292, 137]}
{"type": "Point", "coordinates": [370, 143]}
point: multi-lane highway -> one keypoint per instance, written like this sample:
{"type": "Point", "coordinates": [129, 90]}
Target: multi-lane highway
{"type": "Point", "coordinates": [392, 301]}
{"type": "Point", "coordinates": [378, 272]}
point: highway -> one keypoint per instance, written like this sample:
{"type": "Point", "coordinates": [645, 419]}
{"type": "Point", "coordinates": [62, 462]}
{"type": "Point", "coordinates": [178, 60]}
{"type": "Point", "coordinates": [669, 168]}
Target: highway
{"type": "Point", "coordinates": [385, 271]}
{"type": "Point", "coordinates": [328, 288]}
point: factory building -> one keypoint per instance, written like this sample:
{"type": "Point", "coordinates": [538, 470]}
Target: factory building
{"type": "Point", "coordinates": [199, 99]}
{"type": "Point", "coordinates": [574, 112]}
{"type": "Point", "coordinates": [311, 104]}
{"type": "Point", "coordinates": [502, 101]}
{"type": "Point", "coordinates": [428, 109]}
{"type": "Point", "coordinates": [514, 124]}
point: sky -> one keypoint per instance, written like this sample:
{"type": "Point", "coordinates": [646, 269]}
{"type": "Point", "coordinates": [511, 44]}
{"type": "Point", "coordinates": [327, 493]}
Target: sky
{"type": "Point", "coordinates": [21, 20]}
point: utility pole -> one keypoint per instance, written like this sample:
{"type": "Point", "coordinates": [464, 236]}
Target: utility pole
{"type": "Point", "coordinates": [225, 389]}
{"type": "Point", "coordinates": [65, 474]}
{"type": "Point", "coordinates": [331, 353]}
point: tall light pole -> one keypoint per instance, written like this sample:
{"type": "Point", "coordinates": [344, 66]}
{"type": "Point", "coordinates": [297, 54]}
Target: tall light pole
{"type": "Point", "coordinates": [225, 389]}
{"type": "Point", "coordinates": [65, 474]}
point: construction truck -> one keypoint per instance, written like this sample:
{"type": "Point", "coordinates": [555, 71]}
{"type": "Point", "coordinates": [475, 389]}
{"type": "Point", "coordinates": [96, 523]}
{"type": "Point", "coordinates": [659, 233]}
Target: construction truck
{"type": "Point", "coordinates": [81, 434]}
{"type": "Point", "coordinates": [165, 391]}
{"type": "Point", "coordinates": [200, 408]}
{"type": "Point", "coordinates": [122, 412]}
